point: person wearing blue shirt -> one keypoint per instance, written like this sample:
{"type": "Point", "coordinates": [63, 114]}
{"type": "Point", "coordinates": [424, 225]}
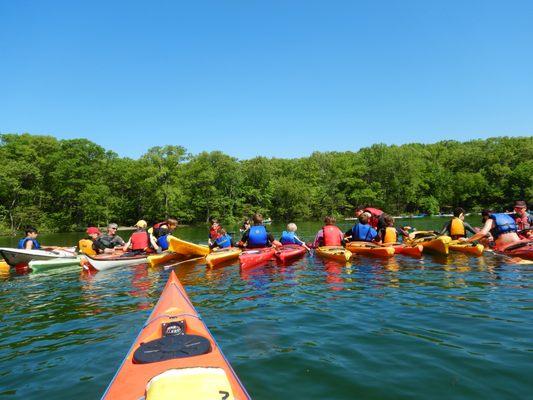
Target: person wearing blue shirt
{"type": "Point", "coordinates": [223, 241]}
{"type": "Point", "coordinates": [289, 236]}
{"type": "Point", "coordinates": [362, 231]}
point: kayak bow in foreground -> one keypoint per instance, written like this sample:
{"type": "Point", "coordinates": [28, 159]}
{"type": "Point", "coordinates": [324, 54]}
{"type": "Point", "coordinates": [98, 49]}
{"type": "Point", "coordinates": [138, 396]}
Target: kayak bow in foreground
{"type": "Point", "coordinates": [175, 356]}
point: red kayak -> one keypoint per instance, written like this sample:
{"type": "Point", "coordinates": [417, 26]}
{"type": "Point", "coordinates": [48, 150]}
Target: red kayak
{"type": "Point", "coordinates": [290, 252]}
{"type": "Point", "coordinates": [412, 251]}
{"type": "Point", "coordinates": [254, 257]}
{"type": "Point", "coordinates": [522, 249]}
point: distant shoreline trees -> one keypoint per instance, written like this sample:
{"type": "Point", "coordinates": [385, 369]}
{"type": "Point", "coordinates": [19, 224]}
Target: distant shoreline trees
{"type": "Point", "coordinates": [65, 185]}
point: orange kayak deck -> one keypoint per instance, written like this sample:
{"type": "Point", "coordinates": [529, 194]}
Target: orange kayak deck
{"type": "Point", "coordinates": [130, 382]}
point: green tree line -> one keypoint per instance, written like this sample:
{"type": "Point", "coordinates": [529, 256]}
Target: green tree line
{"type": "Point", "coordinates": [65, 185]}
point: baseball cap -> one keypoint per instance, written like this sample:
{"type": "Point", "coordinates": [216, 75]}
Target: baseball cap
{"type": "Point", "coordinates": [90, 230]}
{"type": "Point", "coordinates": [141, 224]}
{"type": "Point", "coordinates": [520, 203]}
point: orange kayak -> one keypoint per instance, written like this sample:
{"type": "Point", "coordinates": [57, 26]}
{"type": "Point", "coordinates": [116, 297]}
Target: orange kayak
{"type": "Point", "coordinates": [175, 354]}
{"type": "Point", "coordinates": [370, 249]}
{"type": "Point", "coordinates": [412, 251]}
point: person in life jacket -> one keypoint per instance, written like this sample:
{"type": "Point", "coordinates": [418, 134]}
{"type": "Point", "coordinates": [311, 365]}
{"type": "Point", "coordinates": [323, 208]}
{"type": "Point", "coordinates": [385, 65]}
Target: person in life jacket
{"type": "Point", "coordinates": [141, 241]}
{"type": "Point", "coordinates": [257, 235]}
{"type": "Point", "coordinates": [289, 236]}
{"type": "Point", "coordinates": [29, 242]}
{"type": "Point", "coordinates": [214, 230]}
{"type": "Point", "coordinates": [502, 227]}
{"type": "Point", "coordinates": [164, 227]}
{"type": "Point", "coordinates": [361, 231]}
{"type": "Point", "coordinates": [391, 234]}
{"type": "Point", "coordinates": [329, 234]}
{"type": "Point", "coordinates": [524, 220]}
{"type": "Point", "coordinates": [223, 241]}
{"type": "Point", "coordinates": [375, 216]}
{"type": "Point", "coordinates": [456, 227]}
{"type": "Point", "coordinates": [86, 245]}
{"type": "Point", "coordinates": [107, 242]}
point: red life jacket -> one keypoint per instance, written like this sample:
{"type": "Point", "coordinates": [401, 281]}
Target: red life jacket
{"type": "Point", "coordinates": [140, 241]}
{"type": "Point", "coordinates": [522, 222]}
{"type": "Point", "coordinates": [332, 235]}
{"type": "Point", "coordinates": [375, 213]}
{"type": "Point", "coordinates": [214, 233]}
{"type": "Point", "coordinates": [159, 224]}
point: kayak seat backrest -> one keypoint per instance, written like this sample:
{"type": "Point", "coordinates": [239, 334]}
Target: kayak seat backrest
{"type": "Point", "coordinates": [171, 347]}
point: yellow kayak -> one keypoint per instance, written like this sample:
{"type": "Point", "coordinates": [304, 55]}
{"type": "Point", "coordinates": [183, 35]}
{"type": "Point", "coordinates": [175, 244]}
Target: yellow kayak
{"type": "Point", "coordinates": [158, 259]}
{"type": "Point", "coordinates": [431, 242]}
{"type": "Point", "coordinates": [370, 249]}
{"type": "Point", "coordinates": [219, 256]}
{"type": "Point", "coordinates": [336, 253]}
{"type": "Point", "coordinates": [475, 250]}
{"type": "Point", "coordinates": [186, 248]}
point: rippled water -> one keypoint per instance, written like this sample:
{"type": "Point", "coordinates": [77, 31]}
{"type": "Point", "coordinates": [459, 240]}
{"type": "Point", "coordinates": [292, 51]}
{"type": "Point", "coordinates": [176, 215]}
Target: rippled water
{"type": "Point", "coordinates": [438, 328]}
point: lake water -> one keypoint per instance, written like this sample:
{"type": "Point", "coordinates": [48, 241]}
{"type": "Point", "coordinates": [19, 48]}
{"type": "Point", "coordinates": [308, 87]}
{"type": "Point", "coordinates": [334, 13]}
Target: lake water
{"type": "Point", "coordinates": [439, 327]}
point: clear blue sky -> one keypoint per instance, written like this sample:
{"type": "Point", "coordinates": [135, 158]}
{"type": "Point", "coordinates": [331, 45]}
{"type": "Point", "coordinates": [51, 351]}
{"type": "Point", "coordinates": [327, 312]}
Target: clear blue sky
{"type": "Point", "coordinates": [273, 78]}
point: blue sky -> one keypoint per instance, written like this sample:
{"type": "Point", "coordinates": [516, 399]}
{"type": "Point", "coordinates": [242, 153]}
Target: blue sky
{"type": "Point", "coordinates": [273, 78]}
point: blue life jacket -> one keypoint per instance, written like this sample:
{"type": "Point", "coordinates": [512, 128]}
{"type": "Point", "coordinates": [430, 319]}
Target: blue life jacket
{"type": "Point", "coordinates": [504, 224]}
{"type": "Point", "coordinates": [223, 241]}
{"type": "Point", "coordinates": [364, 233]}
{"type": "Point", "coordinates": [288, 238]}
{"type": "Point", "coordinates": [163, 242]}
{"type": "Point", "coordinates": [22, 243]}
{"type": "Point", "coordinates": [257, 236]}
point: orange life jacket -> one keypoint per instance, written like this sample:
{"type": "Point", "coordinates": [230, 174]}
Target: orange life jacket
{"type": "Point", "coordinates": [457, 228]}
{"type": "Point", "coordinates": [86, 247]}
{"type": "Point", "coordinates": [390, 235]}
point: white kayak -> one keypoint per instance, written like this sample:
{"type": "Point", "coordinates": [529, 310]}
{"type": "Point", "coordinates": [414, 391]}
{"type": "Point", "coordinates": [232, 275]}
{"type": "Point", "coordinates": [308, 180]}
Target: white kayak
{"type": "Point", "coordinates": [45, 265]}
{"type": "Point", "coordinates": [16, 257]}
{"type": "Point", "coordinates": [107, 261]}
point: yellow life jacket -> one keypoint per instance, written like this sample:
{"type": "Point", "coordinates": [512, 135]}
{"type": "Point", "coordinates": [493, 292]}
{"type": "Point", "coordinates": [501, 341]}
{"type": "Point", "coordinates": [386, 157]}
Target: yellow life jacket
{"type": "Point", "coordinates": [390, 235]}
{"type": "Point", "coordinates": [86, 247]}
{"type": "Point", "coordinates": [457, 228]}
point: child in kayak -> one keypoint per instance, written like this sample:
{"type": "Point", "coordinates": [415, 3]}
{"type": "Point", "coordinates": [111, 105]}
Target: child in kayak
{"type": "Point", "coordinates": [223, 241]}
{"type": "Point", "coordinates": [456, 227]}
{"type": "Point", "coordinates": [257, 236]}
{"type": "Point", "coordinates": [29, 242]}
{"type": "Point", "coordinates": [329, 234]}
{"type": "Point", "coordinates": [289, 236]}
{"type": "Point", "coordinates": [390, 234]}
{"type": "Point", "coordinates": [86, 245]}
{"type": "Point", "coordinates": [214, 231]}
{"type": "Point", "coordinates": [361, 231]}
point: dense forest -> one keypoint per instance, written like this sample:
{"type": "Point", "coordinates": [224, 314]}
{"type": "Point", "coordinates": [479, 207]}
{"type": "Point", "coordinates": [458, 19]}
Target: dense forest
{"type": "Point", "coordinates": [66, 185]}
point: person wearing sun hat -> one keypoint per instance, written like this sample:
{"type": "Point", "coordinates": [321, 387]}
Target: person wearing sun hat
{"type": "Point", "coordinates": [86, 245]}
{"type": "Point", "coordinates": [524, 220]}
{"type": "Point", "coordinates": [141, 241]}
{"type": "Point", "coordinates": [107, 242]}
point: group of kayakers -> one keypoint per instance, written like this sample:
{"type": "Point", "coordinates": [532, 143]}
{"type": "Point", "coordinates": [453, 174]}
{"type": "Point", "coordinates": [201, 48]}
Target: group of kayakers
{"type": "Point", "coordinates": [373, 225]}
